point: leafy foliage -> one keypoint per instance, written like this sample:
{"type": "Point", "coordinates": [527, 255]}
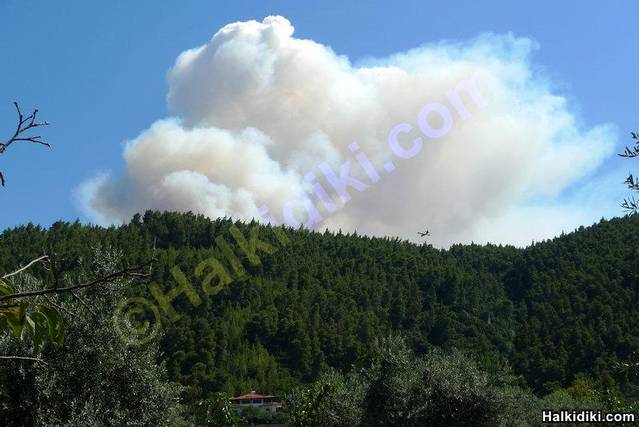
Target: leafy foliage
{"type": "Point", "coordinates": [631, 204]}
{"type": "Point", "coordinates": [214, 411]}
{"type": "Point", "coordinates": [42, 322]}
{"type": "Point", "coordinates": [397, 388]}
{"type": "Point", "coordinates": [556, 311]}
{"type": "Point", "coordinates": [93, 377]}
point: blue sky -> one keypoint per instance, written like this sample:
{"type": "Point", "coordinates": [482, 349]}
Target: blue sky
{"type": "Point", "coordinates": [97, 70]}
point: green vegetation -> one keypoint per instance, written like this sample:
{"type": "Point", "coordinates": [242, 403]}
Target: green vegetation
{"type": "Point", "coordinates": [93, 378]}
{"type": "Point", "coordinates": [562, 314]}
{"type": "Point", "coordinates": [42, 322]}
{"type": "Point", "coordinates": [395, 388]}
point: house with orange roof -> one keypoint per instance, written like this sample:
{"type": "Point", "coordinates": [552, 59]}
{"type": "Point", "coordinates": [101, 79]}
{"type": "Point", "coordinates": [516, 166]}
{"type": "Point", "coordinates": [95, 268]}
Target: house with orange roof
{"type": "Point", "coordinates": [264, 402]}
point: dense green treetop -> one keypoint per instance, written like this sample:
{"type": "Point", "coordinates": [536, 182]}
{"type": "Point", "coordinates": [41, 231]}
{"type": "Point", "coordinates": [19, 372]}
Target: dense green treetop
{"type": "Point", "coordinates": [555, 311]}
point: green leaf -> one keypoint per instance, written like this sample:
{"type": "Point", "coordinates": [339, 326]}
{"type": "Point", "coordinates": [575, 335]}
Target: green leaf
{"type": "Point", "coordinates": [29, 324]}
{"type": "Point", "coordinates": [55, 323]}
{"type": "Point", "coordinates": [40, 328]}
{"type": "Point", "coordinates": [5, 289]}
{"type": "Point", "coordinates": [16, 318]}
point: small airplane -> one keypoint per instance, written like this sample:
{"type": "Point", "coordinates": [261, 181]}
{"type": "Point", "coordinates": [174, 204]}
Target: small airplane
{"type": "Point", "coordinates": [423, 233]}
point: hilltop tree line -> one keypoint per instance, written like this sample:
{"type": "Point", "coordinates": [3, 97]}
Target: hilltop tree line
{"type": "Point", "coordinates": [556, 311]}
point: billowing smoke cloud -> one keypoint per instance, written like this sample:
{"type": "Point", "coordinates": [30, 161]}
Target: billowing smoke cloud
{"type": "Point", "coordinates": [263, 119]}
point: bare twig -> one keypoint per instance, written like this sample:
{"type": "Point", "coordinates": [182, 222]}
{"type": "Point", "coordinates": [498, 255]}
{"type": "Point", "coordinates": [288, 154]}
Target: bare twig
{"type": "Point", "coordinates": [59, 307]}
{"type": "Point", "coordinates": [25, 124]}
{"type": "Point", "coordinates": [42, 258]}
{"type": "Point", "coordinates": [31, 359]}
{"type": "Point", "coordinates": [76, 296]}
{"type": "Point", "coordinates": [51, 265]}
{"type": "Point", "coordinates": [126, 272]}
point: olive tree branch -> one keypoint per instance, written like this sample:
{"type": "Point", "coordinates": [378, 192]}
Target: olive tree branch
{"type": "Point", "coordinates": [134, 272]}
{"type": "Point", "coordinates": [42, 258]}
{"type": "Point", "coordinates": [32, 359]}
{"type": "Point", "coordinates": [631, 204]}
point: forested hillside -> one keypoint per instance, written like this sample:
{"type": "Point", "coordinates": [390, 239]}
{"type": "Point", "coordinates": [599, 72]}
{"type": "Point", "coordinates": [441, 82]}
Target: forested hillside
{"type": "Point", "coordinates": [555, 311]}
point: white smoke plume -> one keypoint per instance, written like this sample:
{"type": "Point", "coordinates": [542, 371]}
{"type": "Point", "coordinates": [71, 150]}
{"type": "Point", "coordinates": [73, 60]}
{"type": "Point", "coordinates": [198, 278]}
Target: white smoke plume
{"type": "Point", "coordinates": [255, 111]}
